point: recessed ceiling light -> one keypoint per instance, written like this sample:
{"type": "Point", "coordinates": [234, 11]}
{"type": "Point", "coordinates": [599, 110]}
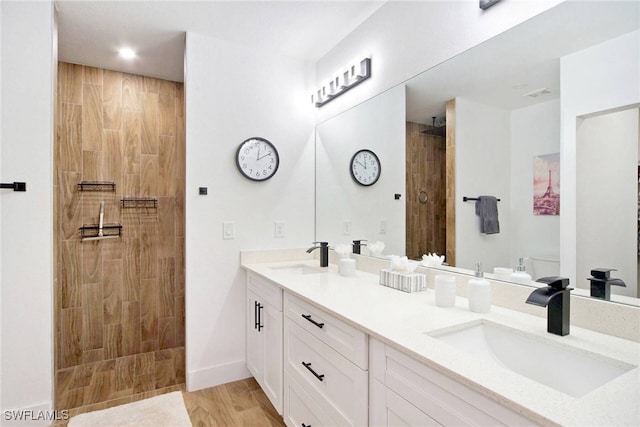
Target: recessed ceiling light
{"type": "Point", "coordinates": [127, 53]}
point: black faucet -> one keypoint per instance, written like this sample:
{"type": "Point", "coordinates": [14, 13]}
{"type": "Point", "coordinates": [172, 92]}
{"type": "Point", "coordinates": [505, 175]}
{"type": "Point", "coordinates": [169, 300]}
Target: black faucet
{"type": "Point", "coordinates": [324, 252]}
{"type": "Point", "coordinates": [557, 298]}
{"type": "Point", "coordinates": [357, 246]}
{"type": "Point", "coordinates": [601, 283]}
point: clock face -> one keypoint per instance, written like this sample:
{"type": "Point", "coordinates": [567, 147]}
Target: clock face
{"type": "Point", "coordinates": [257, 159]}
{"type": "Point", "coordinates": [365, 167]}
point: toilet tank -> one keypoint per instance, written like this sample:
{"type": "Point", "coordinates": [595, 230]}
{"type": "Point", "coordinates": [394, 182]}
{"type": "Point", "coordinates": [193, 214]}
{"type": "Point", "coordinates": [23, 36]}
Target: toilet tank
{"type": "Point", "coordinates": [543, 265]}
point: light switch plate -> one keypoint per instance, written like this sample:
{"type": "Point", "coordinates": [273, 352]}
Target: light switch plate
{"type": "Point", "coordinates": [383, 226]}
{"type": "Point", "coordinates": [278, 229]}
{"type": "Point", "coordinates": [228, 230]}
{"type": "Point", "coordinates": [346, 228]}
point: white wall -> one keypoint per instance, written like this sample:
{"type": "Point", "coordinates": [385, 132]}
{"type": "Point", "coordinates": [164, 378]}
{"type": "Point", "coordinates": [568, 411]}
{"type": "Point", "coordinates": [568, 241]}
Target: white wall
{"type": "Point", "coordinates": [482, 169]}
{"type": "Point", "coordinates": [234, 93]}
{"type": "Point", "coordinates": [379, 125]}
{"type": "Point", "coordinates": [535, 131]}
{"type": "Point", "coordinates": [26, 218]}
{"type": "Point", "coordinates": [607, 194]}
{"type": "Point", "coordinates": [601, 78]}
{"type": "Point", "coordinates": [417, 35]}
{"type": "Point", "coordinates": [1, 405]}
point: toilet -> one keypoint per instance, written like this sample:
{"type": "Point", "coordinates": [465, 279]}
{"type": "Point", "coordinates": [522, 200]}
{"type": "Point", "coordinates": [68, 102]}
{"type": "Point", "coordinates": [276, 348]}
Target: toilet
{"type": "Point", "coordinates": [544, 265]}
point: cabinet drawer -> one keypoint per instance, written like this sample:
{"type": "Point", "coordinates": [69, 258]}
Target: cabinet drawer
{"type": "Point", "coordinates": [300, 409]}
{"type": "Point", "coordinates": [443, 399]}
{"type": "Point", "coordinates": [344, 338]}
{"type": "Point", "coordinates": [337, 385]}
{"type": "Point", "coordinates": [267, 291]}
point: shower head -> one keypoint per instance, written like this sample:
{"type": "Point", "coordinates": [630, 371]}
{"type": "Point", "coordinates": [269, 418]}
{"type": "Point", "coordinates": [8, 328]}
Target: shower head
{"type": "Point", "coordinates": [436, 130]}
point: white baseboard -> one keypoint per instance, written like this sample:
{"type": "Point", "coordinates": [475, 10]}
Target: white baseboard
{"type": "Point", "coordinates": [216, 375]}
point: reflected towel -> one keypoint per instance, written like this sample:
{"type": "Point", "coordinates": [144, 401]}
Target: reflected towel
{"type": "Point", "coordinates": [487, 210]}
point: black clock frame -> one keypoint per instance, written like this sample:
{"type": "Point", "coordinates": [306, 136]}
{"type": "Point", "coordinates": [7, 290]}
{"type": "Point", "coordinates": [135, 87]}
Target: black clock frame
{"type": "Point", "coordinates": [275, 150]}
{"type": "Point", "coordinates": [377, 160]}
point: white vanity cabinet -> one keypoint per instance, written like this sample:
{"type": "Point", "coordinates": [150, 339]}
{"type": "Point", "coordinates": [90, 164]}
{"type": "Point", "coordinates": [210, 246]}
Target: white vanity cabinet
{"type": "Point", "coordinates": [404, 391]}
{"type": "Point", "coordinates": [264, 336]}
{"type": "Point", "coordinates": [325, 368]}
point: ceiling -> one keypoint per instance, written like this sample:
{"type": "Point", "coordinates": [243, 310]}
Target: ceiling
{"type": "Point", "coordinates": [91, 32]}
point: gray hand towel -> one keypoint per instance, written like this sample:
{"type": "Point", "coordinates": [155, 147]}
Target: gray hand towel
{"type": "Point", "coordinates": [487, 210]}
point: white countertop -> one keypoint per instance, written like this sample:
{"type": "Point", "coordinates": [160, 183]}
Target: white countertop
{"type": "Point", "coordinates": [402, 320]}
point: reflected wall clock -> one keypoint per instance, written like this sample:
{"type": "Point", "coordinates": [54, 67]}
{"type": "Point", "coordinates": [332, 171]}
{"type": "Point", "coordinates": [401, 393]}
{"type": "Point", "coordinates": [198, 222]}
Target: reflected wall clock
{"type": "Point", "coordinates": [257, 159]}
{"type": "Point", "coordinates": [365, 167]}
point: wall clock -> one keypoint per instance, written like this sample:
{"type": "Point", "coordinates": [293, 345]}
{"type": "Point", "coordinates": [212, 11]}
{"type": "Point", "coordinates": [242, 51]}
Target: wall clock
{"type": "Point", "coordinates": [257, 159]}
{"type": "Point", "coordinates": [365, 167]}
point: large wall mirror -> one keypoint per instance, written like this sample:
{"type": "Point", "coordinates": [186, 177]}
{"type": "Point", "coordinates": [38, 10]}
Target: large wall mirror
{"type": "Point", "coordinates": [545, 111]}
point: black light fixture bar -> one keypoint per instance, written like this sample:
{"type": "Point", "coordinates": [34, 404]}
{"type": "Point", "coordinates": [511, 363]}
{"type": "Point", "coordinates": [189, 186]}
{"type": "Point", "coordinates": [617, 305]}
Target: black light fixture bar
{"type": "Point", "coordinates": [15, 186]}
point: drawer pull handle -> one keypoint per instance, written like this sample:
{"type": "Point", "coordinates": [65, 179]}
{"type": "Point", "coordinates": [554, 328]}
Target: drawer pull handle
{"type": "Point", "coordinates": [308, 366]}
{"type": "Point", "coordinates": [306, 425]}
{"type": "Point", "coordinates": [308, 317]}
{"type": "Point", "coordinates": [260, 325]}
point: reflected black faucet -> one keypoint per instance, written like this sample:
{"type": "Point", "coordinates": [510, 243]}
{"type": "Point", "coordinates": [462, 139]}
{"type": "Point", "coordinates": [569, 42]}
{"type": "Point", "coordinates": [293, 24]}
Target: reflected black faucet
{"type": "Point", "coordinates": [601, 283]}
{"type": "Point", "coordinates": [324, 252]}
{"type": "Point", "coordinates": [357, 246]}
{"type": "Point", "coordinates": [557, 298]}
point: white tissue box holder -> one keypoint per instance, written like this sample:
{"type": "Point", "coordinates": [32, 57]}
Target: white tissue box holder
{"type": "Point", "coordinates": [406, 282]}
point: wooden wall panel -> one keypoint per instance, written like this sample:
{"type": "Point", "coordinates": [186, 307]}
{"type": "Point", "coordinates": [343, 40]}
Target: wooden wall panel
{"type": "Point", "coordinates": [451, 182]}
{"type": "Point", "coordinates": [119, 303]}
{"type": "Point", "coordinates": [91, 117]}
{"type": "Point", "coordinates": [425, 172]}
{"type": "Point", "coordinates": [112, 105]}
{"type": "Point", "coordinates": [70, 83]}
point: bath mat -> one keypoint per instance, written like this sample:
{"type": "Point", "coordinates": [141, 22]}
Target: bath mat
{"type": "Point", "coordinates": [160, 411]}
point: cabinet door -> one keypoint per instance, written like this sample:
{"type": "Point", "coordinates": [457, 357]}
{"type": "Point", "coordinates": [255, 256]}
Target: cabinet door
{"type": "Point", "coordinates": [271, 332]}
{"type": "Point", "coordinates": [255, 339]}
{"type": "Point", "coordinates": [388, 409]}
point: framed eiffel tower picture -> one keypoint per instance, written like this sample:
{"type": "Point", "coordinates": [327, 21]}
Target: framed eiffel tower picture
{"type": "Point", "coordinates": [546, 184]}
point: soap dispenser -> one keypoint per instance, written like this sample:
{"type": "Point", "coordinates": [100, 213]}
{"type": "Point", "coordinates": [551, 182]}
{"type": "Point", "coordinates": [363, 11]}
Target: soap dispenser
{"type": "Point", "coordinates": [479, 292]}
{"type": "Point", "coordinates": [520, 275]}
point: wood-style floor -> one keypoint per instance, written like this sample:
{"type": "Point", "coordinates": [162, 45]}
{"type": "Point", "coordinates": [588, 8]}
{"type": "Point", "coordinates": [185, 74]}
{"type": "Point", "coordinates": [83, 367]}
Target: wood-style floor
{"type": "Point", "coordinates": [237, 404]}
{"type": "Point", "coordinates": [240, 403]}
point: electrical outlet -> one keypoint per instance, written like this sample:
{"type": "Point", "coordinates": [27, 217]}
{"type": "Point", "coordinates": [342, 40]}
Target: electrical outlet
{"type": "Point", "coordinates": [228, 230]}
{"type": "Point", "coordinates": [383, 226]}
{"type": "Point", "coordinates": [346, 228]}
{"type": "Point", "coordinates": [278, 229]}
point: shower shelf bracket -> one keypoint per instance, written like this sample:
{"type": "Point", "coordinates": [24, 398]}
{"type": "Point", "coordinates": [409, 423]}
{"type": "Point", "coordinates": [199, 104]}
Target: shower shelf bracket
{"type": "Point", "coordinates": [91, 231]}
{"type": "Point", "coordinates": [139, 203]}
{"type": "Point", "coordinates": [97, 186]}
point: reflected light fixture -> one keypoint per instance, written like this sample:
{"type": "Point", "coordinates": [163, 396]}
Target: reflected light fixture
{"type": "Point", "coordinates": [352, 76]}
{"type": "Point", "coordinates": [486, 4]}
{"type": "Point", "coordinates": [127, 53]}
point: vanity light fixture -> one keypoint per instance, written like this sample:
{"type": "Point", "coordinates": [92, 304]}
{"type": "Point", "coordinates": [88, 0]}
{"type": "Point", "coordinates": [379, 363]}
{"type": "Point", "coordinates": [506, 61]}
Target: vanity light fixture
{"type": "Point", "coordinates": [127, 53]}
{"type": "Point", "coordinates": [355, 74]}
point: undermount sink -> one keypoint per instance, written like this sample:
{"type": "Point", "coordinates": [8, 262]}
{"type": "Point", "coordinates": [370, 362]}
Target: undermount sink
{"type": "Point", "coordinates": [300, 269]}
{"type": "Point", "coordinates": [566, 369]}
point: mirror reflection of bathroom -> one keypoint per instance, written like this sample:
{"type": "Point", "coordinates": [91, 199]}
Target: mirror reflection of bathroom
{"type": "Point", "coordinates": [607, 197]}
{"type": "Point", "coordinates": [426, 223]}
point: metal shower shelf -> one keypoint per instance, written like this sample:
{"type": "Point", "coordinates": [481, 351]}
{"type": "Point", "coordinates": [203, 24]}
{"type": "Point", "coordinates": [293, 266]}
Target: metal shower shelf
{"type": "Point", "coordinates": [97, 186]}
{"type": "Point", "coordinates": [139, 202]}
{"type": "Point", "coordinates": [91, 231]}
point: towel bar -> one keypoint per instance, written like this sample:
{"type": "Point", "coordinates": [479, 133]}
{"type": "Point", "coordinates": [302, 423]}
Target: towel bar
{"type": "Point", "coordinates": [466, 199]}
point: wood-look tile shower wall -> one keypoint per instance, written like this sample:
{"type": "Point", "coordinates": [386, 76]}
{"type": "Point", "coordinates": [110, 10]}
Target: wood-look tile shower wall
{"type": "Point", "coordinates": [119, 303]}
{"type": "Point", "coordinates": [426, 172]}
